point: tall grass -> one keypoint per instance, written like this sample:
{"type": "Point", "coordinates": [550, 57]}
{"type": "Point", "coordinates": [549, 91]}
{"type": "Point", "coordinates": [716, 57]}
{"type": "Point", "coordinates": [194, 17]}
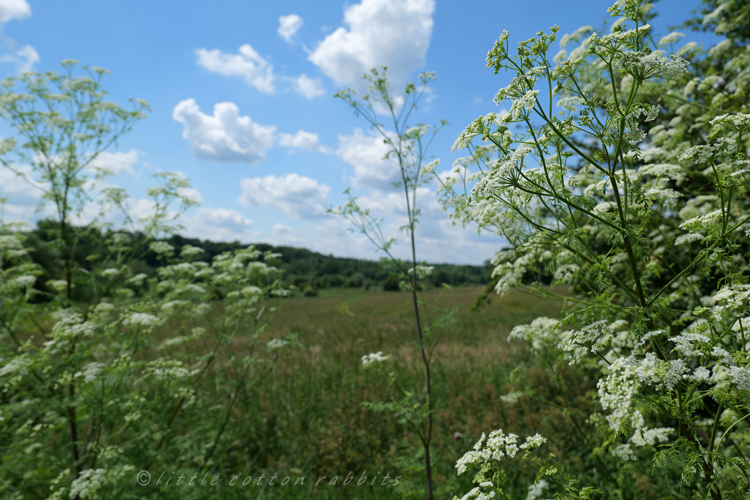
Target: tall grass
{"type": "Point", "coordinates": [302, 415]}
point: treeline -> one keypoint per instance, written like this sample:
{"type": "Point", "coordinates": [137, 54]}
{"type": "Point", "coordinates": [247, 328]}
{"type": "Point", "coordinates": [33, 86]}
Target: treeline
{"type": "Point", "coordinates": [307, 270]}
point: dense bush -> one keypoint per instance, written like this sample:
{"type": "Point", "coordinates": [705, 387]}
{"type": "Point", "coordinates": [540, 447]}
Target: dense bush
{"type": "Point", "coordinates": [621, 170]}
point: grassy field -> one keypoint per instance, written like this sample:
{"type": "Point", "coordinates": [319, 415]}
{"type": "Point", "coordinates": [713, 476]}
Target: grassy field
{"type": "Point", "coordinates": [301, 414]}
{"type": "Point", "coordinates": [304, 413]}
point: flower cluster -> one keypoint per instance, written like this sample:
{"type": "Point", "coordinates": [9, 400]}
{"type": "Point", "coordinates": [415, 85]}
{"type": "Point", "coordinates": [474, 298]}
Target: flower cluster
{"type": "Point", "coordinates": [374, 357]}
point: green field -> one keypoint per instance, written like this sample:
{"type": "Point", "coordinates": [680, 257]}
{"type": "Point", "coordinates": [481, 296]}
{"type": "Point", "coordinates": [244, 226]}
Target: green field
{"type": "Point", "coordinates": [305, 415]}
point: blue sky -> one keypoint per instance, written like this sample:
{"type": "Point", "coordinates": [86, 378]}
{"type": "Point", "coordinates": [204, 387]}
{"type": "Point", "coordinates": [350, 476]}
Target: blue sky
{"type": "Point", "coordinates": [241, 98]}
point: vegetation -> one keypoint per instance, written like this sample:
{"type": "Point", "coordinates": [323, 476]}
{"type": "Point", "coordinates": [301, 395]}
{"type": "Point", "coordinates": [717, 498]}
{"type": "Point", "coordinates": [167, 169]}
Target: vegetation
{"type": "Point", "coordinates": [301, 268]}
{"type": "Point", "coordinates": [138, 364]}
{"type": "Point", "coordinates": [648, 223]}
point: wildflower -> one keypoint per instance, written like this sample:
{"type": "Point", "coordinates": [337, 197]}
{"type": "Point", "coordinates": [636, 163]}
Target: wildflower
{"type": "Point", "coordinates": [23, 281]}
{"type": "Point", "coordinates": [594, 336]}
{"type": "Point", "coordinates": [57, 285]}
{"type": "Point", "coordinates": [536, 489]}
{"type": "Point", "coordinates": [161, 247]}
{"type": "Point", "coordinates": [649, 437]}
{"type": "Point", "coordinates": [603, 207]}
{"type": "Point", "coordinates": [540, 333]}
{"type": "Point", "coordinates": [191, 288]}
{"type": "Point", "coordinates": [91, 372]}
{"type": "Point", "coordinates": [736, 121]}
{"type": "Point", "coordinates": [17, 365]}
{"type": "Point", "coordinates": [183, 267]}
{"type": "Point", "coordinates": [138, 279]}
{"type": "Point", "coordinates": [670, 38]}
{"type": "Point", "coordinates": [164, 369]}
{"type": "Point", "coordinates": [168, 306]}
{"type": "Point", "coordinates": [108, 273]}
{"type": "Point", "coordinates": [688, 238]}
{"type": "Point", "coordinates": [374, 357]}
{"type": "Point", "coordinates": [642, 65]}
{"type": "Point", "coordinates": [276, 344]}
{"type": "Point", "coordinates": [702, 221]}
{"type": "Point", "coordinates": [103, 307]}
{"type": "Point", "coordinates": [87, 483]}
{"type": "Point", "coordinates": [511, 398]}
{"type": "Point", "coordinates": [189, 251]}
{"type": "Point", "coordinates": [249, 291]}
{"type": "Point", "coordinates": [624, 452]}
{"type": "Point", "coordinates": [700, 374]}
{"type": "Point", "coordinates": [140, 319]}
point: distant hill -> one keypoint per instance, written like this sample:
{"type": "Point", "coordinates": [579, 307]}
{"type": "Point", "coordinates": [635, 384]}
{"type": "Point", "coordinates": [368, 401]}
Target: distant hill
{"type": "Point", "coordinates": [303, 268]}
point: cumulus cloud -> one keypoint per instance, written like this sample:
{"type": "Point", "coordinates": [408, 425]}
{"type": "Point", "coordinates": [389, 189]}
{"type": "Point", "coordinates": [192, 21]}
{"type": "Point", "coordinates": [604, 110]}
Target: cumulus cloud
{"type": "Point", "coordinates": [218, 224]}
{"type": "Point", "coordinates": [394, 33]}
{"type": "Point", "coordinates": [299, 197]}
{"type": "Point", "coordinates": [24, 59]}
{"type": "Point", "coordinates": [246, 64]}
{"type": "Point", "coordinates": [192, 194]}
{"type": "Point", "coordinates": [16, 190]}
{"type": "Point", "coordinates": [13, 9]}
{"type": "Point", "coordinates": [307, 141]}
{"type": "Point", "coordinates": [309, 87]}
{"type": "Point", "coordinates": [288, 26]}
{"type": "Point", "coordinates": [117, 163]}
{"type": "Point", "coordinates": [365, 153]}
{"type": "Point", "coordinates": [280, 229]}
{"type": "Point", "coordinates": [226, 136]}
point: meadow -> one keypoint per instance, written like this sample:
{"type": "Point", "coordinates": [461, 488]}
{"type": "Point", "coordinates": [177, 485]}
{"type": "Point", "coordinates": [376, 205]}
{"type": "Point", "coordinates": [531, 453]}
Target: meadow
{"type": "Point", "coordinates": [613, 362]}
{"type": "Point", "coordinates": [303, 416]}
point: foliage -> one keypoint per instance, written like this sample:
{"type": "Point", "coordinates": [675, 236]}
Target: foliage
{"type": "Point", "coordinates": [301, 268]}
{"type": "Point", "coordinates": [91, 394]}
{"type": "Point", "coordinates": [647, 222]}
{"type": "Point", "coordinates": [407, 149]}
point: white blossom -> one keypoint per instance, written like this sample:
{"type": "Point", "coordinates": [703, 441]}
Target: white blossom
{"type": "Point", "coordinates": [375, 357]}
{"type": "Point", "coordinates": [536, 490]}
{"type": "Point", "coordinates": [161, 247]}
{"type": "Point", "coordinates": [91, 372]}
{"type": "Point", "coordinates": [276, 344]}
{"type": "Point", "coordinates": [88, 483]}
{"type": "Point", "coordinates": [511, 398]}
{"type": "Point", "coordinates": [140, 319]}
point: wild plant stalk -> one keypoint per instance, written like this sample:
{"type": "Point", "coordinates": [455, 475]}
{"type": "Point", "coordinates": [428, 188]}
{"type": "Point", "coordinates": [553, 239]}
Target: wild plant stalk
{"type": "Point", "coordinates": [64, 138]}
{"type": "Point", "coordinates": [408, 151]}
{"type": "Point", "coordinates": [99, 355]}
{"type": "Point", "coordinates": [592, 192]}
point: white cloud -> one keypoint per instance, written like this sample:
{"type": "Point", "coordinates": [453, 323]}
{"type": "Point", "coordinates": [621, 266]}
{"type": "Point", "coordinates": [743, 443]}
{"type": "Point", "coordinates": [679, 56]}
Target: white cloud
{"type": "Point", "coordinates": [365, 153]}
{"type": "Point", "coordinates": [279, 229]}
{"type": "Point", "coordinates": [388, 204]}
{"type": "Point", "coordinates": [218, 224]}
{"type": "Point", "coordinates": [13, 9]}
{"type": "Point", "coordinates": [16, 190]}
{"type": "Point", "coordinates": [299, 197]}
{"type": "Point", "coordinates": [437, 239]}
{"type": "Point", "coordinates": [394, 33]}
{"type": "Point", "coordinates": [226, 136]}
{"type": "Point", "coordinates": [117, 163]}
{"type": "Point", "coordinates": [307, 141]}
{"type": "Point", "coordinates": [288, 26]}
{"type": "Point", "coordinates": [247, 64]}
{"type": "Point", "coordinates": [193, 194]}
{"type": "Point", "coordinates": [309, 87]}
{"type": "Point", "coordinates": [24, 59]}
